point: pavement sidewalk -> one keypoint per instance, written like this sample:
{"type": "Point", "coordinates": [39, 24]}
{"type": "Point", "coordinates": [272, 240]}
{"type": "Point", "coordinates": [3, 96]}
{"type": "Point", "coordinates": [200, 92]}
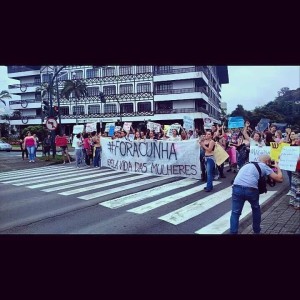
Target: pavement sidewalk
{"type": "Point", "coordinates": [279, 218]}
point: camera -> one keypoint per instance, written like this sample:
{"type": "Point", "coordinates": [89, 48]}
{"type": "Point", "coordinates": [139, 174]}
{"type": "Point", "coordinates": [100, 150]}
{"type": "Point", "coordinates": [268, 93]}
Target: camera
{"type": "Point", "coordinates": [272, 163]}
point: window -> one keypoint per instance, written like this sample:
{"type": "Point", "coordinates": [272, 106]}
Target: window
{"type": "Point", "coordinates": [109, 90]}
{"type": "Point", "coordinates": [144, 106]}
{"type": "Point", "coordinates": [93, 91]}
{"type": "Point", "coordinates": [126, 107]}
{"type": "Point", "coordinates": [79, 109]}
{"type": "Point", "coordinates": [63, 76]}
{"type": "Point", "coordinates": [91, 73]}
{"type": "Point", "coordinates": [164, 87]}
{"type": "Point", "coordinates": [46, 77]}
{"type": "Point", "coordinates": [110, 108]}
{"type": "Point", "coordinates": [109, 71]}
{"type": "Point", "coordinates": [64, 110]}
{"type": "Point", "coordinates": [143, 87]}
{"type": "Point", "coordinates": [125, 70]}
{"type": "Point", "coordinates": [164, 105]}
{"type": "Point", "coordinates": [37, 80]}
{"type": "Point", "coordinates": [126, 88]}
{"type": "Point", "coordinates": [94, 109]}
{"type": "Point", "coordinates": [143, 69]}
{"type": "Point", "coordinates": [78, 74]}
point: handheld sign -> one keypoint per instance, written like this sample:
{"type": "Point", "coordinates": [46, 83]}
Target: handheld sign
{"type": "Point", "coordinates": [235, 122]}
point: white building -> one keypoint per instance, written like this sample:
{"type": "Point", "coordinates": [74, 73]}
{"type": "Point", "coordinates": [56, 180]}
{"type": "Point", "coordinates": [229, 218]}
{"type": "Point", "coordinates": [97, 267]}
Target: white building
{"type": "Point", "coordinates": [163, 94]}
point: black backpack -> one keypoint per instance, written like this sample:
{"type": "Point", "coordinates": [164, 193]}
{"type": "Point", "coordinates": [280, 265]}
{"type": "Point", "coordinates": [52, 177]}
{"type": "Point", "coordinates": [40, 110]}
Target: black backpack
{"type": "Point", "coordinates": [262, 182]}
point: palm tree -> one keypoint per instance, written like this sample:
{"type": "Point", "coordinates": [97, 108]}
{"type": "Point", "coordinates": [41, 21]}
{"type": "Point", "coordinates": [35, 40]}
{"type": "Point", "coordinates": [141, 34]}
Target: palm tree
{"type": "Point", "coordinates": [3, 95]}
{"type": "Point", "coordinates": [44, 89]}
{"type": "Point", "coordinates": [77, 86]}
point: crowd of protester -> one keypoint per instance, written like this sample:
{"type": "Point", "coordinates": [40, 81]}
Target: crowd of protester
{"type": "Point", "coordinates": [236, 142]}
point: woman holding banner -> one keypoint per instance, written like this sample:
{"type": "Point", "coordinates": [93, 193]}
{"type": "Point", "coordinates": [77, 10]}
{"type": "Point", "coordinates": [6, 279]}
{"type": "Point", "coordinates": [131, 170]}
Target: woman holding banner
{"type": "Point", "coordinates": [209, 145]}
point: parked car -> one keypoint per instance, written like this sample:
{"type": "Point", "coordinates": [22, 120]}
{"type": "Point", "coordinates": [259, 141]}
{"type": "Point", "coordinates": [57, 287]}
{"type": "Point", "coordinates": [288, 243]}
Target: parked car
{"type": "Point", "coordinates": [5, 146]}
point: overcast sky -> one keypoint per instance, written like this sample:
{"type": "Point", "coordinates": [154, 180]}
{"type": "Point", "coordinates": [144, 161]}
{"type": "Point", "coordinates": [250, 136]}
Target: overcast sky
{"type": "Point", "coordinates": [250, 86]}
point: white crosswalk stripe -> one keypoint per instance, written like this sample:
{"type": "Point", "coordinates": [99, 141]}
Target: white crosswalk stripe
{"type": "Point", "coordinates": [196, 208]}
{"type": "Point", "coordinates": [103, 177]}
{"type": "Point", "coordinates": [21, 174]}
{"type": "Point", "coordinates": [166, 200]}
{"type": "Point", "coordinates": [121, 188]}
{"type": "Point", "coordinates": [222, 224]}
{"type": "Point", "coordinates": [35, 177]}
{"type": "Point", "coordinates": [132, 198]}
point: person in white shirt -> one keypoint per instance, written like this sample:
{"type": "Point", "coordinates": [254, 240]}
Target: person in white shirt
{"type": "Point", "coordinates": [175, 137]}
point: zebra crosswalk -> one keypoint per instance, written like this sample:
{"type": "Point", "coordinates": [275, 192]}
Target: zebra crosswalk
{"type": "Point", "coordinates": [174, 200]}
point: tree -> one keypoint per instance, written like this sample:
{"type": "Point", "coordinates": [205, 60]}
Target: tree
{"type": "Point", "coordinates": [77, 86]}
{"type": "Point", "coordinates": [43, 90]}
{"type": "Point", "coordinates": [283, 91]}
{"type": "Point", "coordinates": [3, 95]}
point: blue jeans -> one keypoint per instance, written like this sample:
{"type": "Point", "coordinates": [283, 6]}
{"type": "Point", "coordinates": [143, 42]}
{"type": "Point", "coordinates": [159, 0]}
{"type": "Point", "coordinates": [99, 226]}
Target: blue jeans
{"type": "Point", "coordinates": [239, 195]}
{"type": "Point", "coordinates": [97, 158]}
{"type": "Point", "coordinates": [289, 173]}
{"type": "Point", "coordinates": [31, 151]}
{"type": "Point", "coordinates": [78, 154]}
{"type": "Point", "coordinates": [210, 169]}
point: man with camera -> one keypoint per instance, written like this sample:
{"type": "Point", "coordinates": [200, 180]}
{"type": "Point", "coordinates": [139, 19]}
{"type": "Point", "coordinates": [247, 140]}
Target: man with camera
{"type": "Point", "coordinates": [245, 187]}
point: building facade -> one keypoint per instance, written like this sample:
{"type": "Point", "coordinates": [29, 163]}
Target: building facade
{"type": "Point", "coordinates": [163, 94]}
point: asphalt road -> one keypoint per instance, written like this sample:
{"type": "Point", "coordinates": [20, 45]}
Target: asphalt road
{"type": "Point", "coordinates": [56, 200]}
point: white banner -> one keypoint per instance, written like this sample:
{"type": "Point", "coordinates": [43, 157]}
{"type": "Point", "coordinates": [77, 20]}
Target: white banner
{"type": "Point", "coordinates": [256, 151]}
{"type": "Point", "coordinates": [78, 129]}
{"type": "Point", "coordinates": [90, 127]}
{"type": "Point", "coordinates": [188, 123]}
{"type": "Point", "coordinates": [164, 158]}
{"type": "Point", "coordinates": [288, 158]}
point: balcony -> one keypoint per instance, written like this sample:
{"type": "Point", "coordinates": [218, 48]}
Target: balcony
{"type": "Point", "coordinates": [197, 72]}
{"type": "Point", "coordinates": [16, 69]}
{"type": "Point", "coordinates": [181, 110]}
{"type": "Point", "coordinates": [23, 87]}
{"type": "Point", "coordinates": [181, 94]}
{"type": "Point", "coordinates": [28, 103]}
{"type": "Point", "coordinates": [22, 71]}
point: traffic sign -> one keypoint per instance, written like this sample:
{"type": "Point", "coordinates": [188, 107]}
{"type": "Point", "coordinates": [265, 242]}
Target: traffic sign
{"type": "Point", "coordinates": [51, 124]}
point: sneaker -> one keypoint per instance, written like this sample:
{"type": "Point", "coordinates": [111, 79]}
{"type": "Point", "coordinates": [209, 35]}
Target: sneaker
{"type": "Point", "coordinates": [216, 177]}
{"type": "Point", "coordinates": [291, 202]}
{"type": "Point", "coordinates": [30, 161]}
{"type": "Point", "coordinates": [289, 193]}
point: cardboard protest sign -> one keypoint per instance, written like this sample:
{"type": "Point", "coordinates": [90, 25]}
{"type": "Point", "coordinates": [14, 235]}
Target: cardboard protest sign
{"type": "Point", "coordinates": [173, 126]}
{"type": "Point", "coordinates": [263, 124]}
{"type": "Point", "coordinates": [126, 126]}
{"type": "Point", "coordinates": [107, 126]}
{"type": "Point", "coordinates": [153, 126]}
{"type": "Point", "coordinates": [166, 128]}
{"type": "Point", "coordinates": [276, 149]}
{"type": "Point", "coordinates": [90, 127]}
{"type": "Point", "coordinates": [78, 129]}
{"type": "Point", "coordinates": [256, 151]}
{"type": "Point", "coordinates": [280, 126]}
{"type": "Point", "coordinates": [235, 122]}
{"type": "Point", "coordinates": [208, 122]}
{"type": "Point", "coordinates": [289, 157]}
{"type": "Point", "coordinates": [220, 154]}
{"type": "Point", "coordinates": [111, 130]}
{"type": "Point", "coordinates": [188, 123]}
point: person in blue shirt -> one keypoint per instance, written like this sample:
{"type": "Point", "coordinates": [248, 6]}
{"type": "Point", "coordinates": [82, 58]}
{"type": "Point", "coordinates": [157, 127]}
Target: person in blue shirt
{"type": "Point", "coordinates": [245, 188]}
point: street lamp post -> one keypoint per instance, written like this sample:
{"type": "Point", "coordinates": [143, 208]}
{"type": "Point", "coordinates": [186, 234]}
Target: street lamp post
{"type": "Point", "coordinates": [76, 108]}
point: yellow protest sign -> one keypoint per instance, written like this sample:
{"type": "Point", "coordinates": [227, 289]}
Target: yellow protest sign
{"type": "Point", "coordinates": [276, 149]}
{"type": "Point", "coordinates": [166, 128]}
{"type": "Point", "coordinates": [220, 154]}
